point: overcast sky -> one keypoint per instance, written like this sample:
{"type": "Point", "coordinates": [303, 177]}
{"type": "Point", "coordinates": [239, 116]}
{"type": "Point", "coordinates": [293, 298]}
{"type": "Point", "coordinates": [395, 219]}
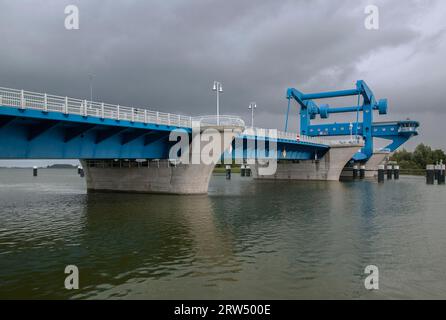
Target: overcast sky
{"type": "Point", "coordinates": [166, 54]}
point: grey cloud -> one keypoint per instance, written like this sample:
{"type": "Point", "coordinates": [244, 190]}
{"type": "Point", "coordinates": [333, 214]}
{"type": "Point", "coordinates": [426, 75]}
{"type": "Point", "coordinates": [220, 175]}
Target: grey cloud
{"type": "Point", "coordinates": [165, 54]}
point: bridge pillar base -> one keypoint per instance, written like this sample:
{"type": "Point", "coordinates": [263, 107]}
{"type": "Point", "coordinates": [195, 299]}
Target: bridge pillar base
{"type": "Point", "coordinates": [147, 177]}
{"type": "Point", "coordinates": [328, 168]}
{"type": "Point", "coordinates": [371, 167]}
{"type": "Point", "coordinates": [161, 176]}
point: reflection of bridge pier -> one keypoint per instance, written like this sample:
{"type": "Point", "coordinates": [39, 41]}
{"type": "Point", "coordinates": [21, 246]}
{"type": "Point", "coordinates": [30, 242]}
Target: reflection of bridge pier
{"type": "Point", "coordinates": [151, 238]}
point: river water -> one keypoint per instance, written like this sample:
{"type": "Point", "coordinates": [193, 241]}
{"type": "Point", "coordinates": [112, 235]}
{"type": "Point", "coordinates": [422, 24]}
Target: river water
{"type": "Point", "coordinates": [245, 240]}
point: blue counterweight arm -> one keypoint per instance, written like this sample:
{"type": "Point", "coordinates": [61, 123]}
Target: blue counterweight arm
{"type": "Point", "coordinates": [309, 110]}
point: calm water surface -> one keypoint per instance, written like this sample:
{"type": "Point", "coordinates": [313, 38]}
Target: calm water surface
{"type": "Point", "coordinates": [246, 239]}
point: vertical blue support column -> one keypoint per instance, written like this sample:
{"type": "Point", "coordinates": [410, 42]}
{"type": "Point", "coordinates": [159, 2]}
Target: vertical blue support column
{"type": "Point", "coordinates": [304, 121]}
{"type": "Point", "coordinates": [367, 130]}
{"type": "Point", "coordinates": [287, 115]}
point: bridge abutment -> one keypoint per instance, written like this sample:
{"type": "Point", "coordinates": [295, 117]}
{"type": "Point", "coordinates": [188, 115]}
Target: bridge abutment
{"type": "Point", "coordinates": [161, 176]}
{"type": "Point", "coordinates": [371, 166]}
{"type": "Point", "coordinates": [328, 168]}
{"type": "Point", "coordinates": [168, 176]}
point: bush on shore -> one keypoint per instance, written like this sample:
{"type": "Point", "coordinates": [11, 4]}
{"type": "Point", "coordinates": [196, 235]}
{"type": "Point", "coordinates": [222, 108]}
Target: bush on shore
{"type": "Point", "coordinates": [419, 158]}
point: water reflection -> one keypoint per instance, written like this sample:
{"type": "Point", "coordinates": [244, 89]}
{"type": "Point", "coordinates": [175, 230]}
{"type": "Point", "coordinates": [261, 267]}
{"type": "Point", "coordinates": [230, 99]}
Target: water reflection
{"type": "Point", "coordinates": [244, 240]}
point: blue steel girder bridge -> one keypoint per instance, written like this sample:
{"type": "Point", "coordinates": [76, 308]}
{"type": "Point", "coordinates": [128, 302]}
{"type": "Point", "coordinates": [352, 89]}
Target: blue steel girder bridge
{"type": "Point", "coordinates": [41, 126]}
{"type": "Point", "coordinates": [398, 132]}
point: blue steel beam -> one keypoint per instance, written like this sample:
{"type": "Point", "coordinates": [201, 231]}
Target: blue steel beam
{"type": "Point", "coordinates": [309, 109]}
{"type": "Point", "coordinates": [108, 133]}
{"type": "Point", "coordinates": [398, 132]}
{"type": "Point", "coordinates": [72, 133]}
{"type": "Point", "coordinates": [154, 136]}
{"type": "Point", "coordinates": [4, 121]}
{"type": "Point", "coordinates": [131, 136]}
{"type": "Point", "coordinates": [58, 136]}
{"type": "Point", "coordinates": [36, 130]}
{"type": "Point", "coordinates": [379, 129]}
{"type": "Point", "coordinates": [331, 94]}
{"type": "Point", "coordinates": [75, 137]}
{"type": "Point", "coordinates": [294, 150]}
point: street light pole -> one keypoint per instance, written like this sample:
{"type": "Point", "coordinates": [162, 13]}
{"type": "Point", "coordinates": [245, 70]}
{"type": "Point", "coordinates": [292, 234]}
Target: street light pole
{"type": "Point", "coordinates": [90, 76]}
{"type": "Point", "coordinates": [252, 106]}
{"type": "Point", "coordinates": [219, 89]}
{"type": "Point", "coordinates": [351, 131]}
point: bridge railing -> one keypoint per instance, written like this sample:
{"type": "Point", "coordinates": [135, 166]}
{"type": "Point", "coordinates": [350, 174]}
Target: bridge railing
{"type": "Point", "coordinates": [46, 103]}
{"type": "Point", "coordinates": [294, 136]}
{"type": "Point", "coordinates": [222, 120]}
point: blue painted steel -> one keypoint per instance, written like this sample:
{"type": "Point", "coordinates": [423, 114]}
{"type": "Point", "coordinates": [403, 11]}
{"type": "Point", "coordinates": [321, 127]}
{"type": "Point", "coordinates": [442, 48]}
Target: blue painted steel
{"type": "Point", "coordinates": [33, 134]}
{"type": "Point", "coordinates": [286, 149]}
{"type": "Point", "coordinates": [309, 109]}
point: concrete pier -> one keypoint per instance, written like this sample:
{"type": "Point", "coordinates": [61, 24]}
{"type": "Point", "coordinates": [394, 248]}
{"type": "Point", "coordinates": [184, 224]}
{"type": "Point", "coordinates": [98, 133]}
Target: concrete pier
{"type": "Point", "coordinates": [430, 174]}
{"type": "Point", "coordinates": [381, 172]}
{"type": "Point", "coordinates": [328, 168]}
{"type": "Point", "coordinates": [158, 176]}
{"type": "Point", "coordinates": [362, 171]}
{"type": "Point", "coordinates": [371, 167]}
{"type": "Point", "coordinates": [151, 177]}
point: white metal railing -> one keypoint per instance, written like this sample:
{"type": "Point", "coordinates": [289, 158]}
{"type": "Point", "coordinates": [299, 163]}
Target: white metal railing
{"type": "Point", "coordinates": [293, 136]}
{"type": "Point", "coordinates": [223, 120]}
{"type": "Point", "coordinates": [407, 129]}
{"type": "Point", "coordinates": [45, 102]}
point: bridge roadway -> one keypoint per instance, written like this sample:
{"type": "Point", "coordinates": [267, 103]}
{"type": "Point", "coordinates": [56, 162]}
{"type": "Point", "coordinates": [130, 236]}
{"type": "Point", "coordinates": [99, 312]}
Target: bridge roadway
{"type": "Point", "coordinates": [42, 126]}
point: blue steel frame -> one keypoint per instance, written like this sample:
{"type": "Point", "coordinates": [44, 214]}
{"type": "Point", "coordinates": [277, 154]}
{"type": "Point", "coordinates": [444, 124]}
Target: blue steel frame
{"type": "Point", "coordinates": [34, 134]}
{"type": "Point", "coordinates": [367, 129]}
{"type": "Point", "coordinates": [286, 149]}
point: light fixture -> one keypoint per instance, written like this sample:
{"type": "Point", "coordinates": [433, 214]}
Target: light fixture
{"type": "Point", "coordinates": [218, 88]}
{"type": "Point", "coordinates": [251, 107]}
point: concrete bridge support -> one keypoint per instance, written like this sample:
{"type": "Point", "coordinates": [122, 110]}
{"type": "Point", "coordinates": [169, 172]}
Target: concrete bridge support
{"type": "Point", "coordinates": [328, 168]}
{"type": "Point", "coordinates": [371, 166]}
{"type": "Point", "coordinates": [375, 160]}
{"type": "Point", "coordinates": [160, 176]}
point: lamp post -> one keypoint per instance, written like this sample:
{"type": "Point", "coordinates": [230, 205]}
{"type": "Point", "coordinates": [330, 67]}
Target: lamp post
{"type": "Point", "coordinates": [251, 107]}
{"type": "Point", "coordinates": [219, 89]}
{"type": "Point", "coordinates": [351, 131]}
{"type": "Point", "coordinates": [90, 76]}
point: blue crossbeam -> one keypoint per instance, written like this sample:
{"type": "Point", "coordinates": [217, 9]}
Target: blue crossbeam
{"type": "Point", "coordinates": [366, 128]}
{"type": "Point", "coordinates": [332, 94]}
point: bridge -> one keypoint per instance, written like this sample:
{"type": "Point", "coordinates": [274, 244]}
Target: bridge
{"type": "Point", "coordinates": [129, 148]}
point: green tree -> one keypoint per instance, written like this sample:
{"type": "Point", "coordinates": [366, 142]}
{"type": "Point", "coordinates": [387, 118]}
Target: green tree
{"type": "Point", "coordinates": [422, 156]}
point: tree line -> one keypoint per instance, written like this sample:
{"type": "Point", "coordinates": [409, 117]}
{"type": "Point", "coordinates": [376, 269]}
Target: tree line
{"type": "Point", "coordinates": [419, 158]}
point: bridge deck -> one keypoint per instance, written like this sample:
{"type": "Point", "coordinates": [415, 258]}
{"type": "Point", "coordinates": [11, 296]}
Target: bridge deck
{"type": "Point", "coordinates": [41, 126]}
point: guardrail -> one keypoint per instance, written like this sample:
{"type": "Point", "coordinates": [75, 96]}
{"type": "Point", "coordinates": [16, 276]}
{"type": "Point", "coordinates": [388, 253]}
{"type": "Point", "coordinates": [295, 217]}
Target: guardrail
{"type": "Point", "coordinates": [50, 103]}
{"type": "Point", "coordinates": [222, 120]}
{"type": "Point", "coordinates": [294, 136]}
{"type": "Point", "coordinates": [46, 103]}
